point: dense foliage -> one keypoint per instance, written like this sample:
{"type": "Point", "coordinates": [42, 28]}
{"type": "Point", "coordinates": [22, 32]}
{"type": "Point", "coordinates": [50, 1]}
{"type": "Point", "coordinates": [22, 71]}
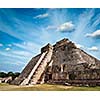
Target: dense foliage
{"type": "Point", "coordinates": [13, 75]}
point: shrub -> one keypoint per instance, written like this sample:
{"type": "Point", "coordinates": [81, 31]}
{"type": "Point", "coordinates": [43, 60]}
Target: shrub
{"type": "Point", "coordinates": [3, 74]}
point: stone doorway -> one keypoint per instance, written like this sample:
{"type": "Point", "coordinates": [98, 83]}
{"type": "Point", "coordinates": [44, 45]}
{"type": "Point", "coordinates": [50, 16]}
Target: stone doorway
{"type": "Point", "coordinates": [48, 77]}
{"type": "Point", "coordinates": [72, 76]}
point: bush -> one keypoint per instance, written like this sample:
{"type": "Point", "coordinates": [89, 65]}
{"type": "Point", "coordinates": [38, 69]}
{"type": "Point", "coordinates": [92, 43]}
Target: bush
{"type": "Point", "coordinates": [3, 74]}
{"type": "Point", "coordinates": [10, 74]}
{"type": "Point", "coordinates": [17, 74]}
{"type": "Point", "coordinates": [13, 75]}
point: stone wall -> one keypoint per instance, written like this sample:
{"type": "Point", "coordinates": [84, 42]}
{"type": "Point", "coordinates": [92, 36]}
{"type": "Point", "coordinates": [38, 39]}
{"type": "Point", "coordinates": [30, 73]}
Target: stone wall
{"type": "Point", "coordinates": [26, 70]}
{"type": "Point", "coordinates": [69, 62]}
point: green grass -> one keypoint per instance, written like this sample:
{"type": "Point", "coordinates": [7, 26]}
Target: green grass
{"type": "Point", "coordinates": [46, 87]}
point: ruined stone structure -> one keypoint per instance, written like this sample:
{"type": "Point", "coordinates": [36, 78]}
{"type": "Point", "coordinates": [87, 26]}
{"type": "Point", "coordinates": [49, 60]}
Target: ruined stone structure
{"type": "Point", "coordinates": [61, 63]}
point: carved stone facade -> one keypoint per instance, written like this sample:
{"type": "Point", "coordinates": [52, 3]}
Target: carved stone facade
{"type": "Point", "coordinates": [61, 62]}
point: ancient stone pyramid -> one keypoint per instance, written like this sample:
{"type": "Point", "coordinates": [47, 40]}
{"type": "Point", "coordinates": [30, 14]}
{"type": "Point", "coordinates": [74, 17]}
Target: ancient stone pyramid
{"type": "Point", "coordinates": [59, 63]}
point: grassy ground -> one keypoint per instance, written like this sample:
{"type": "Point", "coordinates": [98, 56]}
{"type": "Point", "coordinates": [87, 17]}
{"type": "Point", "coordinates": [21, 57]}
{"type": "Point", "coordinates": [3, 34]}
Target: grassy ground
{"type": "Point", "coordinates": [46, 87]}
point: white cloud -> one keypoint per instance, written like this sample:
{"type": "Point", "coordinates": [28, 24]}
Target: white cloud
{"type": "Point", "coordinates": [1, 44]}
{"type": "Point", "coordinates": [9, 45]}
{"type": "Point", "coordinates": [66, 27]}
{"type": "Point", "coordinates": [7, 49]}
{"type": "Point", "coordinates": [51, 27]}
{"type": "Point", "coordinates": [95, 34]}
{"type": "Point", "coordinates": [94, 48]}
{"type": "Point", "coordinates": [42, 15]}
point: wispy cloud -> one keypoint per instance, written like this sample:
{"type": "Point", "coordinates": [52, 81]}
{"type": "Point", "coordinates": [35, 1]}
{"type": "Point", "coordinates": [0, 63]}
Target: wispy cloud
{"type": "Point", "coordinates": [95, 34]}
{"type": "Point", "coordinates": [10, 45]}
{"type": "Point", "coordinates": [51, 27]}
{"type": "Point", "coordinates": [10, 55]}
{"type": "Point", "coordinates": [22, 53]}
{"type": "Point", "coordinates": [7, 49]}
{"type": "Point", "coordinates": [28, 46]}
{"type": "Point", "coordinates": [17, 63]}
{"type": "Point", "coordinates": [96, 21]}
{"type": "Point", "coordinates": [93, 48]}
{"type": "Point", "coordinates": [82, 27]}
{"type": "Point", "coordinates": [1, 44]}
{"type": "Point", "coordinates": [16, 28]}
{"type": "Point", "coordinates": [42, 15]}
{"type": "Point", "coordinates": [66, 27]}
{"type": "Point", "coordinates": [33, 32]}
{"type": "Point", "coordinates": [17, 55]}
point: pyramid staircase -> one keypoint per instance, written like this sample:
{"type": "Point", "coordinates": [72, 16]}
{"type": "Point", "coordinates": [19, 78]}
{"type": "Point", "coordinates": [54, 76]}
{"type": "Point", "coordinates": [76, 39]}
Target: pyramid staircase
{"type": "Point", "coordinates": [38, 69]}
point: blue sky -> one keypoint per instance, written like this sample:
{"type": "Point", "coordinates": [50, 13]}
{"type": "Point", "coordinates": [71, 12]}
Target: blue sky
{"type": "Point", "coordinates": [24, 31]}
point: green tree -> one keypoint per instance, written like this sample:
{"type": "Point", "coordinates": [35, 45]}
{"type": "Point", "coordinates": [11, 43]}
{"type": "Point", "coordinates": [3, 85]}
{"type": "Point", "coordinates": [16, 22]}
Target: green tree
{"type": "Point", "coordinates": [3, 74]}
{"type": "Point", "coordinates": [17, 74]}
{"type": "Point", "coordinates": [11, 74]}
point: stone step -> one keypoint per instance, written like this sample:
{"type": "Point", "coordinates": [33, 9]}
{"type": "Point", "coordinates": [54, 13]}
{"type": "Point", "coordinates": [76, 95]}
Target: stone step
{"type": "Point", "coordinates": [38, 74]}
{"type": "Point", "coordinates": [40, 69]}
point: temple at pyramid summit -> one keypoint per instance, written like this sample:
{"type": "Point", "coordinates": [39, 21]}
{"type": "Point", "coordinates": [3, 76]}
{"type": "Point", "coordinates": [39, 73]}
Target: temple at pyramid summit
{"type": "Point", "coordinates": [62, 63]}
